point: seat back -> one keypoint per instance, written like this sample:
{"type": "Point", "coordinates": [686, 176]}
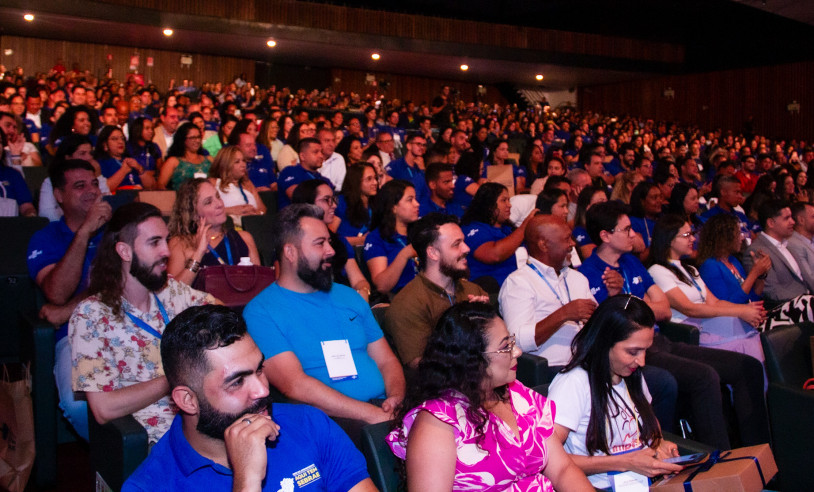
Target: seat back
{"type": "Point", "coordinates": [34, 176]}
{"type": "Point", "coordinates": [381, 462]}
{"type": "Point", "coordinates": [122, 197]}
{"type": "Point", "coordinates": [788, 354]}
{"type": "Point", "coordinates": [260, 227]}
{"type": "Point", "coordinates": [269, 199]}
{"type": "Point", "coordinates": [164, 200]}
{"type": "Point", "coordinates": [17, 232]}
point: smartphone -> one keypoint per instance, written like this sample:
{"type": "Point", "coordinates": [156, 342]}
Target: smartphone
{"type": "Point", "coordinates": [687, 459]}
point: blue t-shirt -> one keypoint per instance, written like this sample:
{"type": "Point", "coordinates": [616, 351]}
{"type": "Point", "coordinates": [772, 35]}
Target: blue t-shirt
{"type": "Point", "coordinates": [111, 165]}
{"type": "Point", "coordinates": [643, 226]}
{"type": "Point", "coordinates": [399, 169]}
{"type": "Point", "coordinates": [517, 171]}
{"type": "Point", "coordinates": [281, 320]}
{"type": "Point", "coordinates": [581, 236]}
{"type": "Point", "coordinates": [346, 229]}
{"type": "Point", "coordinates": [637, 280]}
{"type": "Point", "coordinates": [14, 184]}
{"type": "Point", "coordinates": [746, 225]}
{"type": "Point", "coordinates": [261, 168]}
{"type": "Point", "coordinates": [49, 245]}
{"type": "Point", "coordinates": [723, 283]}
{"type": "Point", "coordinates": [475, 235]}
{"type": "Point", "coordinates": [146, 155]}
{"type": "Point", "coordinates": [376, 246]}
{"type": "Point", "coordinates": [461, 198]}
{"type": "Point", "coordinates": [311, 453]}
{"type": "Point", "coordinates": [427, 205]}
{"type": "Point", "coordinates": [292, 176]}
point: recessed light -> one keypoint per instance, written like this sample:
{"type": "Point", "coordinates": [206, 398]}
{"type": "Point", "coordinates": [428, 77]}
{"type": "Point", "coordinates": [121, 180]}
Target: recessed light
{"type": "Point", "coordinates": [464, 67]}
{"type": "Point", "coordinates": [539, 76]}
{"type": "Point", "coordinates": [271, 43]}
{"type": "Point", "coordinates": [167, 32]}
{"type": "Point", "coordinates": [375, 56]}
{"type": "Point", "coordinates": [28, 17]}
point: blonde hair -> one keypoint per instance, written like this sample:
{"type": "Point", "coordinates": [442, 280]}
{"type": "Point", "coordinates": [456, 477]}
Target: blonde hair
{"type": "Point", "coordinates": [623, 187]}
{"type": "Point", "coordinates": [222, 167]}
{"type": "Point", "coordinates": [184, 217]}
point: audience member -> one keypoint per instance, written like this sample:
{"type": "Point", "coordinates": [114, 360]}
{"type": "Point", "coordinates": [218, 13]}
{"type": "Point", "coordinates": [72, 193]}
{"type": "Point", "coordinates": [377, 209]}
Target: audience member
{"type": "Point", "coordinates": [355, 204]}
{"type": "Point", "coordinates": [229, 175]}
{"type": "Point", "coordinates": [185, 159]}
{"type": "Point", "coordinates": [310, 160]}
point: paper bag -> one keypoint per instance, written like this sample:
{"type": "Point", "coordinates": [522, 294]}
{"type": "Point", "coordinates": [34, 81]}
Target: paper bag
{"type": "Point", "coordinates": [501, 174]}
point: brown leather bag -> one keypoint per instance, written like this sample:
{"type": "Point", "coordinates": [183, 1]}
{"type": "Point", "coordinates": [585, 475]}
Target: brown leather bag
{"type": "Point", "coordinates": [234, 285]}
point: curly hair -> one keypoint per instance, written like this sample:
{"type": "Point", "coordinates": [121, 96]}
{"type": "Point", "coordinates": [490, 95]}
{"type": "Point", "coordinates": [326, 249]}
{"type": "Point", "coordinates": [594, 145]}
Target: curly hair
{"type": "Point", "coordinates": [718, 233]}
{"type": "Point", "coordinates": [222, 168]}
{"type": "Point", "coordinates": [484, 204]}
{"type": "Point", "coordinates": [614, 320]}
{"type": "Point", "coordinates": [183, 219]}
{"type": "Point", "coordinates": [383, 217]}
{"type": "Point", "coordinates": [106, 272]}
{"type": "Point", "coordinates": [454, 360]}
{"type": "Point", "coordinates": [101, 151]}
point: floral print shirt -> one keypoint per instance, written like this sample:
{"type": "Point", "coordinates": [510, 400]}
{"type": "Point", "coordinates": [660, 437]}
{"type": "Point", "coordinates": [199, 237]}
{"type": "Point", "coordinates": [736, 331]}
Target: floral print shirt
{"type": "Point", "coordinates": [110, 352]}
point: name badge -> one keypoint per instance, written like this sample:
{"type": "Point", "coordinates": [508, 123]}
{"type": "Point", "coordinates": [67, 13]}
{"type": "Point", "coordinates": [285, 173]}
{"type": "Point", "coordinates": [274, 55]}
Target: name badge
{"type": "Point", "coordinates": [199, 175]}
{"type": "Point", "coordinates": [629, 482]}
{"type": "Point", "coordinates": [339, 360]}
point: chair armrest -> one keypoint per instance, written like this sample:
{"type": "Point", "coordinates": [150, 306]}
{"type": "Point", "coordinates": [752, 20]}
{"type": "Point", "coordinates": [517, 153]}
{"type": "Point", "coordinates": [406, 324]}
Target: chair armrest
{"type": "Point", "coordinates": [686, 446]}
{"type": "Point", "coordinates": [117, 448]}
{"type": "Point", "coordinates": [532, 370]}
{"type": "Point", "coordinates": [680, 332]}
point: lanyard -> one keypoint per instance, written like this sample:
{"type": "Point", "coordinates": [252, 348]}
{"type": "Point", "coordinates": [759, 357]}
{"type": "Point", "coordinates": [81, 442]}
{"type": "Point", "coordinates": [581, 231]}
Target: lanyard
{"type": "Point", "coordinates": [626, 288]}
{"type": "Point", "coordinates": [240, 187]}
{"type": "Point", "coordinates": [698, 288]}
{"type": "Point", "coordinates": [363, 230]}
{"type": "Point", "coordinates": [647, 229]}
{"type": "Point", "coordinates": [144, 326]}
{"type": "Point", "coordinates": [404, 245]}
{"type": "Point", "coordinates": [540, 274]}
{"type": "Point", "coordinates": [228, 252]}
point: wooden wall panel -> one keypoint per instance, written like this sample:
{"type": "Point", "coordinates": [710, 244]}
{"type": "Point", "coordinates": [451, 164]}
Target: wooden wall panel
{"type": "Point", "coordinates": [722, 99]}
{"type": "Point", "coordinates": [39, 55]}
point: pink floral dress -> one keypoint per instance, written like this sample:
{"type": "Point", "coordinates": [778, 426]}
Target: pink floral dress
{"type": "Point", "coordinates": [500, 461]}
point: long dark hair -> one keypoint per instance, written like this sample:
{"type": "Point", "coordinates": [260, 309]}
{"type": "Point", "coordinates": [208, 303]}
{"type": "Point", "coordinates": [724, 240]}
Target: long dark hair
{"type": "Point", "coordinates": [357, 214]}
{"type": "Point", "coordinates": [484, 204]}
{"type": "Point", "coordinates": [469, 165]}
{"type": "Point", "coordinates": [584, 201]}
{"type": "Point", "coordinates": [178, 147]}
{"type": "Point", "coordinates": [637, 197]}
{"type": "Point", "coordinates": [100, 152]}
{"type": "Point", "coordinates": [453, 359]}
{"type": "Point", "coordinates": [383, 217]}
{"type": "Point", "coordinates": [664, 232]}
{"type": "Point", "coordinates": [613, 321]}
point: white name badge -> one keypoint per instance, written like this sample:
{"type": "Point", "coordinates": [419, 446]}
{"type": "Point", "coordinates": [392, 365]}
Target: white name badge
{"type": "Point", "coordinates": [339, 360]}
{"type": "Point", "coordinates": [629, 482]}
{"type": "Point", "coordinates": [199, 175]}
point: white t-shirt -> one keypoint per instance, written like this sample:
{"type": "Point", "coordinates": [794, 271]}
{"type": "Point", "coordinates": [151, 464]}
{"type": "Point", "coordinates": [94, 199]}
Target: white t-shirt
{"type": "Point", "coordinates": [334, 169]}
{"type": "Point", "coordinates": [525, 299]}
{"type": "Point", "coordinates": [571, 393]}
{"type": "Point", "coordinates": [667, 280]}
{"type": "Point", "coordinates": [232, 197]}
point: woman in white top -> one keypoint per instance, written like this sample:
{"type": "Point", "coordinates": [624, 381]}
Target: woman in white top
{"type": "Point", "coordinates": [723, 324]}
{"type": "Point", "coordinates": [604, 418]}
{"type": "Point", "coordinates": [228, 174]}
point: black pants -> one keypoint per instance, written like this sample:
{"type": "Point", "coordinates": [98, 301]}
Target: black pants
{"type": "Point", "coordinates": [700, 371]}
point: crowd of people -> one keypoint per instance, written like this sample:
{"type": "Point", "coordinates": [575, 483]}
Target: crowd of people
{"type": "Point", "coordinates": [567, 220]}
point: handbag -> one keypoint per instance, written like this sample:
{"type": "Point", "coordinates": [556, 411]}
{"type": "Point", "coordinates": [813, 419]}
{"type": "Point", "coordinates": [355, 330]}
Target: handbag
{"type": "Point", "coordinates": [234, 285]}
{"type": "Point", "coordinates": [17, 450]}
{"type": "Point", "coordinates": [8, 206]}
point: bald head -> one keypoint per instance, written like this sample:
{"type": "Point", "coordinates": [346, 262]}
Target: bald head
{"type": "Point", "coordinates": [548, 239]}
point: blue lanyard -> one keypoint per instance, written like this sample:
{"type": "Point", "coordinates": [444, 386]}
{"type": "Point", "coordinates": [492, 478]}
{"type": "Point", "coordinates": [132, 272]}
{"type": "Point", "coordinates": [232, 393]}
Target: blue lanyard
{"type": "Point", "coordinates": [363, 230]}
{"type": "Point", "coordinates": [240, 187]}
{"type": "Point", "coordinates": [144, 326]}
{"type": "Point", "coordinates": [698, 288]}
{"type": "Point", "coordinates": [404, 245]}
{"type": "Point", "coordinates": [540, 274]}
{"type": "Point", "coordinates": [228, 252]}
{"type": "Point", "coordinates": [627, 284]}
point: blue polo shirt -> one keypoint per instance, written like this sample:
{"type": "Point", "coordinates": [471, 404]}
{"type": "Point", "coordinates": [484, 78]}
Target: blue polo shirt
{"type": "Point", "coordinates": [346, 229]}
{"type": "Point", "coordinates": [261, 168]}
{"type": "Point", "coordinates": [49, 245]}
{"type": "Point", "coordinates": [311, 453]}
{"type": "Point", "coordinates": [476, 234]}
{"type": "Point", "coordinates": [146, 155]}
{"type": "Point", "coordinates": [399, 169]}
{"type": "Point", "coordinates": [292, 176]}
{"type": "Point", "coordinates": [376, 246]}
{"type": "Point", "coordinates": [461, 198]}
{"type": "Point", "coordinates": [581, 236]}
{"type": "Point", "coordinates": [746, 225]}
{"type": "Point", "coordinates": [111, 166]}
{"type": "Point", "coordinates": [14, 184]}
{"type": "Point", "coordinates": [636, 279]}
{"type": "Point", "coordinates": [427, 205]}
{"type": "Point", "coordinates": [643, 226]}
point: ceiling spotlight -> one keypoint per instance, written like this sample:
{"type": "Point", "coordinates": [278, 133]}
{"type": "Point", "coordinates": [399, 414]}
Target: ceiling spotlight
{"type": "Point", "coordinates": [375, 56]}
{"type": "Point", "coordinates": [271, 43]}
{"type": "Point", "coordinates": [167, 32]}
{"type": "Point", "coordinates": [28, 17]}
{"type": "Point", "coordinates": [464, 67]}
{"type": "Point", "coordinates": [539, 76]}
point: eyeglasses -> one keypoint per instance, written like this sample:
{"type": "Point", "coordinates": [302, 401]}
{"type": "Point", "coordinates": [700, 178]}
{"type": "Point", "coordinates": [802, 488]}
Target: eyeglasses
{"type": "Point", "coordinates": [194, 137]}
{"type": "Point", "coordinates": [330, 199]}
{"type": "Point", "coordinates": [509, 348]}
{"type": "Point", "coordinates": [625, 230]}
{"type": "Point", "coordinates": [685, 235]}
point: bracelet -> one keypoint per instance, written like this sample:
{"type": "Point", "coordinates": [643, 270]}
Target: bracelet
{"type": "Point", "coordinates": [193, 266]}
{"type": "Point", "coordinates": [366, 290]}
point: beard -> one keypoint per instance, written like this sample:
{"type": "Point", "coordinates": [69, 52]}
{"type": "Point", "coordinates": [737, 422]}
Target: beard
{"type": "Point", "coordinates": [319, 278]}
{"type": "Point", "coordinates": [214, 423]}
{"type": "Point", "coordinates": [452, 271]}
{"type": "Point", "coordinates": [144, 273]}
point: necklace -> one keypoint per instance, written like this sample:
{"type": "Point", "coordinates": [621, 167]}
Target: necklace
{"type": "Point", "coordinates": [212, 238]}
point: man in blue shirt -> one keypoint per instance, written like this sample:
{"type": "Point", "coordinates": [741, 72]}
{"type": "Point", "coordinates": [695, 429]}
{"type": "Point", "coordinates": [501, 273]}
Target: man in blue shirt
{"type": "Point", "coordinates": [59, 259]}
{"type": "Point", "coordinates": [408, 168]}
{"type": "Point", "coordinates": [441, 182]}
{"type": "Point", "coordinates": [322, 344]}
{"type": "Point", "coordinates": [311, 158]}
{"type": "Point", "coordinates": [227, 435]}
{"type": "Point", "coordinates": [259, 167]}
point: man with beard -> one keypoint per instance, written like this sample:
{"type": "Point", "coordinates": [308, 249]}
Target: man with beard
{"type": "Point", "coordinates": [441, 183]}
{"type": "Point", "coordinates": [322, 344]}
{"type": "Point", "coordinates": [224, 437]}
{"type": "Point", "coordinates": [115, 334]}
{"type": "Point", "coordinates": [441, 250]}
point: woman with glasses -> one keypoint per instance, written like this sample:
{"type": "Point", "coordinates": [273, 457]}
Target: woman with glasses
{"type": "Point", "coordinates": [723, 324]}
{"type": "Point", "coordinates": [355, 206]}
{"type": "Point", "coordinates": [345, 269]}
{"type": "Point", "coordinates": [466, 423]}
{"type": "Point", "coordinates": [199, 236]}
{"type": "Point", "coordinates": [185, 158]}
{"type": "Point", "coordinates": [228, 174]}
{"type": "Point", "coordinates": [121, 171]}
{"type": "Point", "coordinates": [604, 417]}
